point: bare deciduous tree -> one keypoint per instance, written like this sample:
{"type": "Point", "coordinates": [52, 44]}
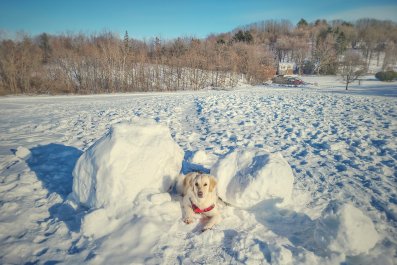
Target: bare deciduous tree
{"type": "Point", "coordinates": [351, 67]}
{"type": "Point", "coordinates": [106, 63]}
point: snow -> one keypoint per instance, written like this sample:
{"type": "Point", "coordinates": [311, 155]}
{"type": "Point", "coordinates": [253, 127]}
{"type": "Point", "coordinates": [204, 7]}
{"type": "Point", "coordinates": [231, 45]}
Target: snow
{"type": "Point", "coordinates": [23, 153]}
{"type": "Point", "coordinates": [98, 223]}
{"type": "Point", "coordinates": [204, 159]}
{"type": "Point", "coordinates": [249, 176]}
{"type": "Point", "coordinates": [366, 85]}
{"type": "Point", "coordinates": [118, 166]}
{"type": "Point", "coordinates": [340, 146]}
{"type": "Point", "coordinates": [345, 229]}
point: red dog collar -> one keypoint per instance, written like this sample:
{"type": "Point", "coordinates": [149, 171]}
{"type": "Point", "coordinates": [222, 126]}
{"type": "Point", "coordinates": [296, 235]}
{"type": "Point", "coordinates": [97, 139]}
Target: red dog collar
{"type": "Point", "coordinates": [198, 210]}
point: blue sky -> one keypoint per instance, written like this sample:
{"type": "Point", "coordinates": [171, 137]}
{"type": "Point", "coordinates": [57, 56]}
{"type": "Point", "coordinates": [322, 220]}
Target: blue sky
{"type": "Point", "coordinates": [170, 19]}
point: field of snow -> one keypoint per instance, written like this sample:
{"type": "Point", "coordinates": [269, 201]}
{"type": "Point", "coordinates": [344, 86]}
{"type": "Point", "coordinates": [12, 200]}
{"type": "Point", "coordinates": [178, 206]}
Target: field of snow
{"type": "Point", "coordinates": [340, 146]}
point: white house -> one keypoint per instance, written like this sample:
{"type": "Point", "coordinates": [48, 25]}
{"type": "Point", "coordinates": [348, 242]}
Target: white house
{"type": "Point", "coordinates": [286, 68]}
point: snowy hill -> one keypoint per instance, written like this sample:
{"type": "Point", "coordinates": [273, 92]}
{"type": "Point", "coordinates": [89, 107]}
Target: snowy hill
{"type": "Point", "coordinates": [340, 146]}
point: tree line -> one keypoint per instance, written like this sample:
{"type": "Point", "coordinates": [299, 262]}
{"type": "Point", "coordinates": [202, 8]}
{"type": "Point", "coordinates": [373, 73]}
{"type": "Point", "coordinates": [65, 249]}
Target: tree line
{"type": "Point", "coordinates": [108, 63]}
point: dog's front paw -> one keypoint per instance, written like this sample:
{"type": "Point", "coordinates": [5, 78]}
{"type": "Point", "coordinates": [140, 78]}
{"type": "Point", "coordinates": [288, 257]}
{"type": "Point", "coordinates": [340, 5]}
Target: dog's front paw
{"type": "Point", "coordinates": [188, 220]}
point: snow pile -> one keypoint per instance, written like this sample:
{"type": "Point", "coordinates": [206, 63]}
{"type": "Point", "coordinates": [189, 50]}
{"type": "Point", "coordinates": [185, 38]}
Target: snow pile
{"type": "Point", "coordinates": [343, 228]}
{"type": "Point", "coordinates": [247, 177]}
{"type": "Point", "coordinates": [130, 158]}
{"type": "Point", "coordinates": [23, 153]}
{"type": "Point", "coordinates": [203, 158]}
{"type": "Point", "coordinates": [99, 223]}
{"type": "Point", "coordinates": [136, 233]}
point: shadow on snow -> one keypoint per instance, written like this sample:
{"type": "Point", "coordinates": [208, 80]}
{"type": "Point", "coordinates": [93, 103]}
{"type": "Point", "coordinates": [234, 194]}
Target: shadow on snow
{"type": "Point", "coordinates": [53, 165]}
{"type": "Point", "coordinates": [299, 228]}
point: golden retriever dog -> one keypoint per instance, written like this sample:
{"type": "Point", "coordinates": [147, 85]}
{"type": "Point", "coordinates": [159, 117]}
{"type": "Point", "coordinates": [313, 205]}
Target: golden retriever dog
{"type": "Point", "coordinates": [199, 197]}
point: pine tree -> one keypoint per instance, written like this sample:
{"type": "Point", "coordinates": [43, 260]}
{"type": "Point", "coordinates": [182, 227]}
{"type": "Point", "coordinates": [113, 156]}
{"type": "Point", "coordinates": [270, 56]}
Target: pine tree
{"type": "Point", "coordinates": [302, 23]}
{"type": "Point", "coordinates": [341, 43]}
{"type": "Point", "coordinates": [248, 37]}
{"type": "Point", "coordinates": [243, 36]}
{"type": "Point", "coordinates": [126, 43]}
{"type": "Point", "coordinates": [239, 36]}
{"type": "Point", "coordinates": [44, 44]}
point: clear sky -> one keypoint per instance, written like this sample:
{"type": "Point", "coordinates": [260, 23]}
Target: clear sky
{"type": "Point", "coordinates": [173, 18]}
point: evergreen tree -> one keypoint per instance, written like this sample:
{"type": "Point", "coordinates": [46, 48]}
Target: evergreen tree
{"type": "Point", "coordinates": [44, 44]}
{"type": "Point", "coordinates": [243, 36]}
{"type": "Point", "coordinates": [341, 43]}
{"type": "Point", "coordinates": [126, 43]}
{"type": "Point", "coordinates": [248, 37]}
{"type": "Point", "coordinates": [302, 23]}
{"type": "Point", "coordinates": [239, 36]}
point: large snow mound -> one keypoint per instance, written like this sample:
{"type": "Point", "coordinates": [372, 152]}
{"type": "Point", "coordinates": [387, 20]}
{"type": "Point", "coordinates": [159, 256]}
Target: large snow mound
{"type": "Point", "coordinates": [201, 157]}
{"type": "Point", "coordinates": [130, 158]}
{"type": "Point", "coordinates": [247, 177]}
{"type": "Point", "coordinates": [344, 228]}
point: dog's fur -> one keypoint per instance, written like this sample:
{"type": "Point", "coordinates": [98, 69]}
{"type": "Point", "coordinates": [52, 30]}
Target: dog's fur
{"type": "Point", "coordinates": [199, 189]}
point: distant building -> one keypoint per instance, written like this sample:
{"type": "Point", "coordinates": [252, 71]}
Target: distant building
{"type": "Point", "coordinates": [286, 68]}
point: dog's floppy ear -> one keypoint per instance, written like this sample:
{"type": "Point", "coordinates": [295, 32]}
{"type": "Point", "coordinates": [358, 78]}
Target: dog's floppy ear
{"type": "Point", "coordinates": [212, 183]}
{"type": "Point", "coordinates": [188, 181]}
{"type": "Point", "coordinates": [186, 184]}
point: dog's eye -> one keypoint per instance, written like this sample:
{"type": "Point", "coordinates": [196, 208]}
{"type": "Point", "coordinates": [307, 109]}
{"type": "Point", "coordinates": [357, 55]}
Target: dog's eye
{"type": "Point", "coordinates": [205, 184]}
{"type": "Point", "coordinates": [196, 184]}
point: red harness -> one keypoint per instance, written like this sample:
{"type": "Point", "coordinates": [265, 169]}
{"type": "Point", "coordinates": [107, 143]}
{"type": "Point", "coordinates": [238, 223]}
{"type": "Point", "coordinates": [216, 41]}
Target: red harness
{"type": "Point", "coordinates": [198, 210]}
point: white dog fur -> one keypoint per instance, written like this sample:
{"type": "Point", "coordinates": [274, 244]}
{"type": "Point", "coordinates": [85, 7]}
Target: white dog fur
{"type": "Point", "coordinates": [199, 197]}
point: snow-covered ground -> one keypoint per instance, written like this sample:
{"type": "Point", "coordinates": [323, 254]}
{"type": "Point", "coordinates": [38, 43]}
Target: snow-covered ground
{"type": "Point", "coordinates": [340, 145]}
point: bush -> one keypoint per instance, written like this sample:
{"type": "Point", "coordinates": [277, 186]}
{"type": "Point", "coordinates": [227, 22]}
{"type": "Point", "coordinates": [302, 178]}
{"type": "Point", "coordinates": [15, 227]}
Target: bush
{"type": "Point", "coordinates": [308, 68]}
{"type": "Point", "coordinates": [386, 76]}
{"type": "Point", "coordinates": [329, 69]}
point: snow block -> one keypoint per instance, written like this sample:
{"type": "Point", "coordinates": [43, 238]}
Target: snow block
{"type": "Point", "coordinates": [130, 158]}
{"type": "Point", "coordinates": [247, 177]}
{"type": "Point", "coordinates": [201, 157]}
{"type": "Point", "coordinates": [344, 228]}
{"type": "Point", "coordinates": [23, 153]}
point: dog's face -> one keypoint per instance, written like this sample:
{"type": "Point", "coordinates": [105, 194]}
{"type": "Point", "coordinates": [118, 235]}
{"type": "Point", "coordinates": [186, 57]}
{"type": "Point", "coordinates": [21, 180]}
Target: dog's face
{"type": "Point", "coordinates": [199, 196]}
{"type": "Point", "coordinates": [202, 185]}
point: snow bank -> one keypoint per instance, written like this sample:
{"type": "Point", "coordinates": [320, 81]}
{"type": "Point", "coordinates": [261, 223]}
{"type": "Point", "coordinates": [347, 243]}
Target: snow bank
{"type": "Point", "coordinates": [130, 158]}
{"type": "Point", "coordinates": [247, 177]}
{"type": "Point", "coordinates": [345, 229]}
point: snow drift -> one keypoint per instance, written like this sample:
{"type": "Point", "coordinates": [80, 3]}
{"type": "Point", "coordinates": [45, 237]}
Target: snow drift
{"type": "Point", "coordinates": [130, 158]}
{"type": "Point", "coordinates": [344, 228]}
{"type": "Point", "coordinates": [247, 177]}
